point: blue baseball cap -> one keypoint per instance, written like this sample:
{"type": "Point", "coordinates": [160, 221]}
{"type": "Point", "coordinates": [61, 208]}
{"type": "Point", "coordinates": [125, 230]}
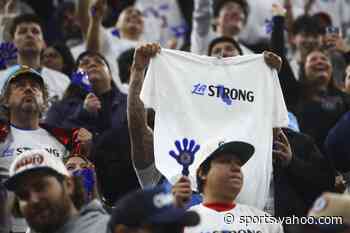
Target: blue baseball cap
{"type": "Point", "coordinates": [153, 206]}
{"type": "Point", "coordinates": [22, 71]}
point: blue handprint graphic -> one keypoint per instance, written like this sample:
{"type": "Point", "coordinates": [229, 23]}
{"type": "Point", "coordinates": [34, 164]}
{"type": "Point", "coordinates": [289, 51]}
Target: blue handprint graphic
{"type": "Point", "coordinates": [81, 80]}
{"type": "Point", "coordinates": [225, 98]}
{"type": "Point", "coordinates": [8, 52]}
{"type": "Point", "coordinates": [185, 156]}
{"type": "Point", "coordinates": [179, 31]}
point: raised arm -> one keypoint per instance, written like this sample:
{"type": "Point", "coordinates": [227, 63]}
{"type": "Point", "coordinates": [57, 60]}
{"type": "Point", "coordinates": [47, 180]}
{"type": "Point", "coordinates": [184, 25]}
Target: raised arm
{"type": "Point", "coordinates": [82, 12]}
{"type": "Point", "coordinates": [94, 33]}
{"type": "Point", "coordinates": [201, 26]}
{"type": "Point", "coordinates": [141, 136]}
{"type": "Point", "coordinates": [289, 85]}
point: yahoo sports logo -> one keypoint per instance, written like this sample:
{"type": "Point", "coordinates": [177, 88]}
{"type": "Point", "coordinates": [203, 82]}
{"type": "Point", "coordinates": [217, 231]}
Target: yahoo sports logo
{"type": "Point", "coordinates": [226, 95]}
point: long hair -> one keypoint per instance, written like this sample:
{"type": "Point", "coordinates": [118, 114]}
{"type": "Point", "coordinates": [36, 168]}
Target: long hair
{"type": "Point", "coordinates": [68, 60]}
{"type": "Point", "coordinates": [74, 91]}
{"type": "Point", "coordinates": [307, 88]}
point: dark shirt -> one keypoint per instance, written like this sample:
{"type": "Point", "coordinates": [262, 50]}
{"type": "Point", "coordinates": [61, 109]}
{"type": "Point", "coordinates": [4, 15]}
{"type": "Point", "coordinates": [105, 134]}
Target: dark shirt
{"type": "Point", "coordinates": [315, 118]}
{"type": "Point", "coordinates": [69, 113]}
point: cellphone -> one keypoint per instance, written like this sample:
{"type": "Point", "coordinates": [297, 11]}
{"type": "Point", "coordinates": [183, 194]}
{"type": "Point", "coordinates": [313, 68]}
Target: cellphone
{"type": "Point", "coordinates": [331, 30]}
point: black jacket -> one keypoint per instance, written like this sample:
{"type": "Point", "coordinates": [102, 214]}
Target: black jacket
{"type": "Point", "coordinates": [111, 156]}
{"type": "Point", "coordinates": [308, 175]}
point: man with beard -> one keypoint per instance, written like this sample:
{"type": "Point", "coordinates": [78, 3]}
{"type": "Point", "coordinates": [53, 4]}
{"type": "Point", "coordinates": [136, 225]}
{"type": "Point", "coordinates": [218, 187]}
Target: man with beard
{"type": "Point", "coordinates": [68, 23]}
{"type": "Point", "coordinates": [44, 188]}
{"type": "Point", "coordinates": [73, 25]}
{"type": "Point", "coordinates": [24, 100]}
{"type": "Point", "coordinates": [27, 36]}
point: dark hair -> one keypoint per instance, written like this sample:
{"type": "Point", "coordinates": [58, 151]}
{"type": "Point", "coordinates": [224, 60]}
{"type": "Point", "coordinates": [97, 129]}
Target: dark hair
{"type": "Point", "coordinates": [324, 20]}
{"type": "Point", "coordinates": [124, 62]}
{"type": "Point", "coordinates": [25, 18]}
{"type": "Point", "coordinates": [219, 4]}
{"type": "Point", "coordinates": [68, 60]}
{"type": "Point", "coordinates": [224, 39]}
{"type": "Point", "coordinates": [90, 53]}
{"type": "Point", "coordinates": [63, 7]}
{"type": "Point", "coordinates": [74, 91]}
{"type": "Point", "coordinates": [204, 169]}
{"type": "Point", "coordinates": [306, 24]}
{"type": "Point", "coordinates": [78, 197]}
{"type": "Point", "coordinates": [307, 87]}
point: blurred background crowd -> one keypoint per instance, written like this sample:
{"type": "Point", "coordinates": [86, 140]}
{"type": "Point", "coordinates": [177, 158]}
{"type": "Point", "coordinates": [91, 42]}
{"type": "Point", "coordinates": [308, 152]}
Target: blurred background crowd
{"type": "Point", "coordinates": [66, 42]}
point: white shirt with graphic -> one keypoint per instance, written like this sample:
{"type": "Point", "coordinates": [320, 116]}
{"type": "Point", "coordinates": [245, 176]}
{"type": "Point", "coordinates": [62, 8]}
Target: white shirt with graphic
{"type": "Point", "coordinates": [184, 90]}
{"type": "Point", "coordinates": [163, 21]}
{"type": "Point", "coordinates": [240, 219]}
{"type": "Point", "coordinates": [20, 140]}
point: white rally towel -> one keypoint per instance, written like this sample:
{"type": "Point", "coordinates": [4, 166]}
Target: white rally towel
{"type": "Point", "coordinates": [183, 90]}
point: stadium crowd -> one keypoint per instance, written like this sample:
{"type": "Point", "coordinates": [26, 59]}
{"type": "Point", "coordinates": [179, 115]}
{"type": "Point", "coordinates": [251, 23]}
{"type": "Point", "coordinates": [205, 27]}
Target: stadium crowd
{"type": "Point", "coordinates": [174, 115]}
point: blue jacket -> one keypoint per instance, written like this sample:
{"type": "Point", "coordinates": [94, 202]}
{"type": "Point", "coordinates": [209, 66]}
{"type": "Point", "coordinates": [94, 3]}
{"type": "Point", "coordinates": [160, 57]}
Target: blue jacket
{"type": "Point", "coordinates": [69, 113]}
{"type": "Point", "coordinates": [110, 150]}
{"type": "Point", "coordinates": [337, 143]}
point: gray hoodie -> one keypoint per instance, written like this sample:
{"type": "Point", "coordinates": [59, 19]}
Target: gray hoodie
{"type": "Point", "coordinates": [92, 218]}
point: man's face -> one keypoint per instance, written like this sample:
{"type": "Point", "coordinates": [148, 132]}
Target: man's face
{"type": "Point", "coordinates": [28, 38]}
{"type": "Point", "coordinates": [306, 42]}
{"type": "Point", "coordinates": [26, 94]}
{"type": "Point", "coordinates": [231, 18]}
{"type": "Point", "coordinates": [318, 68]}
{"type": "Point", "coordinates": [131, 21]}
{"type": "Point", "coordinates": [70, 26]}
{"type": "Point", "coordinates": [225, 177]}
{"type": "Point", "coordinates": [43, 201]}
{"type": "Point", "coordinates": [224, 49]}
{"type": "Point", "coordinates": [96, 69]}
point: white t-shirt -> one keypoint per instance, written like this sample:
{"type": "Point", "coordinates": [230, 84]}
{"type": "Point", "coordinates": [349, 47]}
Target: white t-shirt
{"type": "Point", "coordinates": [77, 50]}
{"type": "Point", "coordinates": [163, 21]}
{"type": "Point", "coordinates": [202, 33]}
{"type": "Point", "coordinates": [234, 220]}
{"type": "Point", "coordinates": [175, 88]}
{"type": "Point", "coordinates": [112, 47]}
{"type": "Point", "coordinates": [56, 82]}
{"type": "Point", "coordinates": [20, 140]}
{"type": "Point", "coordinates": [337, 9]}
{"type": "Point", "coordinates": [260, 12]}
